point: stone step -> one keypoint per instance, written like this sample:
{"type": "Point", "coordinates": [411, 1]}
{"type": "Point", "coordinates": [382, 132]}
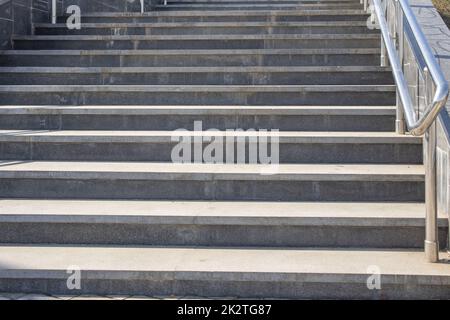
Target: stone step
{"type": "Point", "coordinates": [306, 27]}
{"type": "Point", "coordinates": [258, 6]}
{"type": "Point", "coordinates": [136, 42]}
{"type": "Point", "coordinates": [294, 118]}
{"type": "Point", "coordinates": [185, 58]}
{"type": "Point", "coordinates": [264, 1]}
{"type": "Point", "coordinates": [174, 181]}
{"type": "Point", "coordinates": [181, 223]}
{"type": "Point", "coordinates": [346, 75]}
{"type": "Point", "coordinates": [224, 272]}
{"type": "Point", "coordinates": [224, 16]}
{"type": "Point", "coordinates": [293, 147]}
{"type": "Point", "coordinates": [288, 95]}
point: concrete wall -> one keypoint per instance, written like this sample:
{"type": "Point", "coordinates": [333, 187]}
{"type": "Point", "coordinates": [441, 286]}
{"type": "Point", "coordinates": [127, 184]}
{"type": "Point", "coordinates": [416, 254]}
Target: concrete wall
{"type": "Point", "coordinates": [110, 5]}
{"type": "Point", "coordinates": [16, 17]}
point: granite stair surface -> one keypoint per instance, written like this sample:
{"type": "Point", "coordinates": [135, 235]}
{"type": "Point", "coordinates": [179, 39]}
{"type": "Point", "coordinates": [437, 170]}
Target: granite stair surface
{"type": "Point", "coordinates": [87, 177]}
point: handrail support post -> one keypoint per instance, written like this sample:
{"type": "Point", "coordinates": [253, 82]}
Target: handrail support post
{"type": "Point", "coordinates": [431, 228]}
{"type": "Point", "coordinates": [54, 12]}
{"type": "Point", "coordinates": [400, 126]}
{"type": "Point", "coordinates": [384, 54]}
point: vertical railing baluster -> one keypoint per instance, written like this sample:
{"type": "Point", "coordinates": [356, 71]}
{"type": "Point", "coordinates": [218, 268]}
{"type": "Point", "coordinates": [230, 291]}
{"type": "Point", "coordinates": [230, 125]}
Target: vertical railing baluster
{"type": "Point", "coordinates": [384, 54]}
{"type": "Point", "coordinates": [400, 115]}
{"type": "Point", "coordinates": [53, 4]}
{"type": "Point", "coordinates": [430, 145]}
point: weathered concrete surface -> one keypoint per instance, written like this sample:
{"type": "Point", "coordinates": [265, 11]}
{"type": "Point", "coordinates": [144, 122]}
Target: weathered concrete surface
{"type": "Point", "coordinates": [296, 273]}
{"type": "Point", "coordinates": [208, 28]}
{"type": "Point", "coordinates": [109, 5]}
{"type": "Point", "coordinates": [296, 118]}
{"type": "Point", "coordinates": [215, 223]}
{"type": "Point", "coordinates": [148, 180]}
{"type": "Point", "coordinates": [294, 147]}
{"type": "Point", "coordinates": [200, 58]}
{"type": "Point", "coordinates": [17, 17]}
{"type": "Point", "coordinates": [196, 75]}
{"type": "Point", "coordinates": [266, 273]}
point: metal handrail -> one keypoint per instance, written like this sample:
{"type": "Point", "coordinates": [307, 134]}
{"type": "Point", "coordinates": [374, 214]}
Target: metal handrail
{"type": "Point", "coordinates": [54, 12]}
{"type": "Point", "coordinates": [415, 126]}
{"type": "Point", "coordinates": [424, 124]}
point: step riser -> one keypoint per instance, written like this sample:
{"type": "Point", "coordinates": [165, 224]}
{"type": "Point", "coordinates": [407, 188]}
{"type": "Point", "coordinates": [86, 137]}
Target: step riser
{"type": "Point", "coordinates": [225, 18]}
{"type": "Point", "coordinates": [199, 98]}
{"type": "Point", "coordinates": [215, 235]}
{"type": "Point", "coordinates": [256, 7]}
{"type": "Point", "coordinates": [195, 44]}
{"type": "Point", "coordinates": [221, 122]}
{"type": "Point", "coordinates": [211, 6]}
{"type": "Point", "coordinates": [206, 60]}
{"type": "Point", "coordinates": [264, 1]}
{"type": "Point", "coordinates": [186, 30]}
{"type": "Point", "coordinates": [141, 284]}
{"type": "Point", "coordinates": [121, 6]}
{"type": "Point", "coordinates": [214, 190]}
{"type": "Point", "coordinates": [114, 6]}
{"type": "Point", "coordinates": [147, 151]}
{"type": "Point", "coordinates": [194, 78]}
{"type": "Point", "coordinates": [247, 2]}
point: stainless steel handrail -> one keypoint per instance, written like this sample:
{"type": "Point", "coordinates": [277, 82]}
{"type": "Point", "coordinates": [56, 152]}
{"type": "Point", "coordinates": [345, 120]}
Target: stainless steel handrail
{"type": "Point", "coordinates": [415, 126]}
{"type": "Point", "coordinates": [424, 124]}
{"type": "Point", "coordinates": [54, 11]}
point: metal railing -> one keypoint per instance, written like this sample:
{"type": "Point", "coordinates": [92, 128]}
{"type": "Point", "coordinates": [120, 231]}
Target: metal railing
{"type": "Point", "coordinates": [54, 11]}
{"type": "Point", "coordinates": [399, 27]}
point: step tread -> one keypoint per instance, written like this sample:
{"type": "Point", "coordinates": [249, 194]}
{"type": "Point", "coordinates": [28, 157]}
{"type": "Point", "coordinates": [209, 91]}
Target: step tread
{"type": "Point", "coordinates": [198, 37]}
{"type": "Point", "coordinates": [199, 110]}
{"type": "Point", "coordinates": [299, 265]}
{"type": "Point", "coordinates": [234, 69]}
{"type": "Point", "coordinates": [197, 88]}
{"type": "Point", "coordinates": [336, 23]}
{"type": "Point", "coordinates": [193, 171]}
{"type": "Point", "coordinates": [255, 7]}
{"type": "Point", "coordinates": [166, 136]}
{"type": "Point", "coordinates": [194, 51]}
{"type": "Point", "coordinates": [319, 12]}
{"type": "Point", "coordinates": [358, 214]}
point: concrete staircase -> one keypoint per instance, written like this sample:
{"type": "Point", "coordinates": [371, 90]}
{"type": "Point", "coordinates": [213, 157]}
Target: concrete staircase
{"type": "Point", "coordinates": [86, 177]}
